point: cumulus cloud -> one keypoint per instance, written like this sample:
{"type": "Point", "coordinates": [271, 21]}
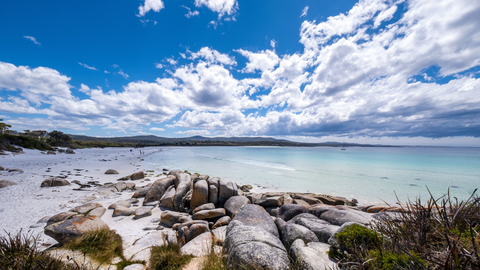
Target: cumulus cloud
{"type": "Point", "coordinates": [263, 60]}
{"type": "Point", "coordinates": [213, 57]}
{"type": "Point", "coordinates": [155, 5]}
{"type": "Point", "coordinates": [35, 85]}
{"type": "Point", "coordinates": [34, 40]}
{"type": "Point", "coordinates": [157, 129]}
{"type": "Point", "coordinates": [87, 66]}
{"type": "Point", "coordinates": [376, 71]}
{"type": "Point", "coordinates": [222, 7]}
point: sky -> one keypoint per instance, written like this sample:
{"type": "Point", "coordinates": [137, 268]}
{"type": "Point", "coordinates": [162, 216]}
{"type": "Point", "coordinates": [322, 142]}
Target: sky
{"type": "Point", "coordinates": [368, 71]}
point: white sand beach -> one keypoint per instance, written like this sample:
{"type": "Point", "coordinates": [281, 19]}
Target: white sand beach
{"type": "Point", "coordinates": [22, 205]}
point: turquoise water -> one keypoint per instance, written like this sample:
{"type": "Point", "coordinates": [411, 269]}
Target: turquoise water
{"type": "Point", "coordinates": [367, 174]}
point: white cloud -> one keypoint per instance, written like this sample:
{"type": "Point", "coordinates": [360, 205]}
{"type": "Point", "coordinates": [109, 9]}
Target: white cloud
{"type": "Point", "coordinates": [213, 56]}
{"type": "Point", "coordinates": [304, 12]}
{"type": "Point", "coordinates": [124, 75]}
{"type": "Point", "coordinates": [155, 5]}
{"type": "Point", "coordinates": [87, 66]}
{"type": "Point", "coordinates": [158, 65]}
{"type": "Point", "coordinates": [194, 132]}
{"type": "Point", "coordinates": [36, 85]}
{"type": "Point", "coordinates": [171, 61]}
{"type": "Point", "coordinates": [222, 7]}
{"type": "Point", "coordinates": [350, 80]}
{"type": "Point", "coordinates": [192, 14]}
{"type": "Point", "coordinates": [34, 40]}
{"type": "Point", "coordinates": [273, 43]}
{"type": "Point", "coordinates": [157, 129]}
{"type": "Point", "coordinates": [262, 61]}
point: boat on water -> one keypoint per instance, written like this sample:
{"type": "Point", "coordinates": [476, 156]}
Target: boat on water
{"type": "Point", "coordinates": [343, 146]}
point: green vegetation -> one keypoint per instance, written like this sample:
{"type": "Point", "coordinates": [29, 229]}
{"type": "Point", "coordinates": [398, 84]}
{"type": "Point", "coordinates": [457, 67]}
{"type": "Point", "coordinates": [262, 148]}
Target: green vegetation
{"type": "Point", "coordinates": [441, 234]}
{"type": "Point", "coordinates": [168, 257]}
{"type": "Point", "coordinates": [214, 261]}
{"type": "Point", "coordinates": [102, 245]}
{"type": "Point", "coordinates": [26, 142]}
{"type": "Point", "coordinates": [20, 252]}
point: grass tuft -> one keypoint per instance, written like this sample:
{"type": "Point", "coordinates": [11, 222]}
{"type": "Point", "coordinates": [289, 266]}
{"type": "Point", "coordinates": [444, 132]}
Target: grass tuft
{"type": "Point", "coordinates": [102, 245]}
{"type": "Point", "coordinates": [168, 257]}
{"type": "Point", "coordinates": [214, 261]}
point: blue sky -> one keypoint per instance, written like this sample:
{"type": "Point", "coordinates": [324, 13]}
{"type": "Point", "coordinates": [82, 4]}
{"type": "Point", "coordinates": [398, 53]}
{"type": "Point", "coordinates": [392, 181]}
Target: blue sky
{"type": "Point", "coordinates": [374, 71]}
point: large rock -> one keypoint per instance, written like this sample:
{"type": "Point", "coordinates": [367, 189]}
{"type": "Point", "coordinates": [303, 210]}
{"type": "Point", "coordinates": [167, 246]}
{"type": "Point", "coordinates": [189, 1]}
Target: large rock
{"type": "Point", "coordinates": [200, 194]}
{"type": "Point", "coordinates": [234, 204]}
{"type": "Point", "coordinates": [157, 190]}
{"type": "Point", "coordinates": [97, 212]}
{"type": "Point", "coordinates": [308, 198]}
{"type": "Point", "coordinates": [111, 171]}
{"type": "Point", "coordinates": [123, 203]}
{"type": "Point", "coordinates": [167, 200]}
{"type": "Point", "coordinates": [74, 227]}
{"type": "Point", "coordinates": [292, 232]}
{"type": "Point", "coordinates": [212, 194]}
{"type": "Point", "coordinates": [140, 193]}
{"type": "Point", "coordinates": [60, 217]}
{"type": "Point", "coordinates": [198, 247]}
{"type": "Point", "coordinates": [183, 187]}
{"type": "Point", "coordinates": [275, 201]}
{"type": "Point", "coordinates": [143, 211]}
{"type": "Point", "coordinates": [289, 211]}
{"type": "Point", "coordinates": [122, 211]}
{"type": "Point", "coordinates": [227, 188]}
{"type": "Point", "coordinates": [207, 206]}
{"type": "Point", "coordinates": [252, 241]}
{"type": "Point", "coordinates": [189, 230]}
{"type": "Point", "coordinates": [170, 217]}
{"type": "Point", "coordinates": [85, 208]}
{"type": "Point", "coordinates": [322, 229]}
{"type": "Point", "coordinates": [256, 216]}
{"type": "Point", "coordinates": [137, 175]}
{"type": "Point", "coordinates": [223, 221]}
{"type": "Point", "coordinates": [214, 181]}
{"type": "Point", "coordinates": [209, 214]}
{"type": "Point", "coordinates": [312, 256]}
{"type": "Point", "coordinates": [339, 217]}
{"type": "Point", "coordinates": [6, 183]}
{"type": "Point", "coordinates": [219, 234]}
{"type": "Point", "coordinates": [54, 182]}
{"type": "Point", "coordinates": [251, 247]}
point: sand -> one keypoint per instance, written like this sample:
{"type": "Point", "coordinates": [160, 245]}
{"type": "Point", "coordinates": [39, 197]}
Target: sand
{"type": "Point", "coordinates": [24, 204]}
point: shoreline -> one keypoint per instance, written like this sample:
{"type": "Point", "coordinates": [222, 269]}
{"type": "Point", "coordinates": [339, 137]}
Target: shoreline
{"type": "Point", "coordinates": [24, 204]}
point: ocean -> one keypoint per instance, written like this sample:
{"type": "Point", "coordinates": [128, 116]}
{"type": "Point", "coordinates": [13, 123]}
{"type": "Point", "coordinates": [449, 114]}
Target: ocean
{"type": "Point", "coordinates": [368, 174]}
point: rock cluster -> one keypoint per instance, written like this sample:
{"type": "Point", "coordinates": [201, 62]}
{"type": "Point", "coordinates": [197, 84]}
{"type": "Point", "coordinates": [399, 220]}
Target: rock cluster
{"type": "Point", "coordinates": [266, 230]}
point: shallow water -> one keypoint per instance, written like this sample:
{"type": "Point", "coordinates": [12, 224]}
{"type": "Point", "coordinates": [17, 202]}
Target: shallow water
{"type": "Point", "coordinates": [367, 174]}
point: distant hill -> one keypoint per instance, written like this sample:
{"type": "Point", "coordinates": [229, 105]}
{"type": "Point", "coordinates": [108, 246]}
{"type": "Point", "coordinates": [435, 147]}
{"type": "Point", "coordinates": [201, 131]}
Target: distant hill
{"type": "Point", "coordinates": [152, 140]}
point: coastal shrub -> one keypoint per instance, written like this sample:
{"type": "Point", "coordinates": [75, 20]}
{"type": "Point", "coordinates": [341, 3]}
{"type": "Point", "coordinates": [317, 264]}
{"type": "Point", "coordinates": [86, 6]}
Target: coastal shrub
{"type": "Point", "coordinates": [355, 243]}
{"type": "Point", "coordinates": [102, 245]}
{"type": "Point", "coordinates": [168, 257]}
{"type": "Point", "coordinates": [442, 233]}
{"type": "Point", "coordinates": [7, 140]}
